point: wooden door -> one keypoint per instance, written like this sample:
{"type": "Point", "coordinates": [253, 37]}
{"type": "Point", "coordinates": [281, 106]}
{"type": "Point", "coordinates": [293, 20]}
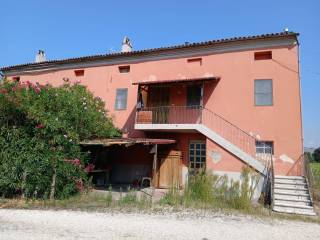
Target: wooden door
{"type": "Point", "coordinates": [169, 170]}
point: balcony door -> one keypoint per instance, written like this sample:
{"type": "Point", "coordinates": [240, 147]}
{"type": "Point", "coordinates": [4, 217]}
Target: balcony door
{"type": "Point", "coordinates": [194, 96]}
{"type": "Point", "coordinates": [158, 102]}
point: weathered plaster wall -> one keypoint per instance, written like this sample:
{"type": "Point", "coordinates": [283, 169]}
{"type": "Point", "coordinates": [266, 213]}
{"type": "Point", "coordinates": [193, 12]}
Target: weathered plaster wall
{"type": "Point", "coordinates": [232, 97]}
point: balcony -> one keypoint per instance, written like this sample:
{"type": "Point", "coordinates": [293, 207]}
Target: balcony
{"type": "Point", "coordinates": [169, 115]}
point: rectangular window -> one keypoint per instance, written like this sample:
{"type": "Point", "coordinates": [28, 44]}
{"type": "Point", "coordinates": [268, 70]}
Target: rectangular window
{"type": "Point", "coordinates": [195, 61]}
{"type": "Point", "coordinates": [16, 79]}
{"type": "Point", "coordinates": [197, 155]}
{"type": "Point", "coordinates": [263, 55]}
{"type": "Point", "coordinates": [194, 95]}
{"type": "Point", "coordinates": [265, 147]}
{"type": "Point", "coordinates": [79, 72]}
{"type": "Point", "coordinates": [121, 99]}
{"type": "Point", "coordinates": [124, 69]}
{"type": "Point", "coordinates": [263, 93]}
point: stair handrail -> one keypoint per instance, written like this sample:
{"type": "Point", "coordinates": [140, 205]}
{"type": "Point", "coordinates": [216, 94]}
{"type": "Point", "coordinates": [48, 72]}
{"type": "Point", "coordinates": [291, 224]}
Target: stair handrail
{"type": "Point", "coordinates": [239, 137]}
{"type": "Point", "coordinates": [224, 119]}
{"type": "Point", "coordinates": [272, 181]}
{"type": "Point", "coordinates": [297, 168]}
{"type": "Point", "coordinates": [308, 174]}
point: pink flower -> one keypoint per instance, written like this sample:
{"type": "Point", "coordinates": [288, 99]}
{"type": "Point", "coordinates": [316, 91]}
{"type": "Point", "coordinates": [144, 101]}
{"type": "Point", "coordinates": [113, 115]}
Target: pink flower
{"type": "Point", "coordinates": [4, 91]}
{"type": "Point", "coordinates": [14, 89]}
{"type": "Point", "coordinates": [40, 126]}
{"type": "Point", "coordinates": [79, 185]}
{"type": "Point", "coordinates": [37, 90]}
{"type": "Point", "coordinates": [89, 168]}
{"type": "Point", "coordinates": [76, 162]}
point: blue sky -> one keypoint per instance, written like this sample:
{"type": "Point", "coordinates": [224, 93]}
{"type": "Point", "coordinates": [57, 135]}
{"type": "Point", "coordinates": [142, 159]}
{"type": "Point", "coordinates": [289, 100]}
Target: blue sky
{"type": "Point", "coordinates": [70, 28]}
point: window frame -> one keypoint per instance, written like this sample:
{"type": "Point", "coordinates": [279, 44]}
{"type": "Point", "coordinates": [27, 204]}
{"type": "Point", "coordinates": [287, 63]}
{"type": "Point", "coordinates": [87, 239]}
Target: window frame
{"type": "Point", "coordinates": [254, 93]}
{"type": "Point", "coordinates": [202, 163]}
{"type": "Point", "coordinates": [265, 147]}
{"type": "Point", "coordinates": [117, 99]}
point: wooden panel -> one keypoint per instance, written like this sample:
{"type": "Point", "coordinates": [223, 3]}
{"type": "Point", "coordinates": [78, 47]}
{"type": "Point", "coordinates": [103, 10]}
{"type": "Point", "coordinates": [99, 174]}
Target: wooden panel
{"type": "Point", "coordinates": [169, 170]}
{"type": "Point", "coordinates": [144, 116]}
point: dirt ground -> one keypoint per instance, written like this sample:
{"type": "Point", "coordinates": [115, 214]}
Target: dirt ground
{"type": "Point", "coordinates": [40, 224]}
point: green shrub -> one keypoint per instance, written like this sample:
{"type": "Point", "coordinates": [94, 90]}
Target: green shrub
{"type": "Point", "coordinates": [206, 190]}
{"type": "Point", "coordinates": [171, 198]}
{"type": "Point", "coordinates": [40, 130]}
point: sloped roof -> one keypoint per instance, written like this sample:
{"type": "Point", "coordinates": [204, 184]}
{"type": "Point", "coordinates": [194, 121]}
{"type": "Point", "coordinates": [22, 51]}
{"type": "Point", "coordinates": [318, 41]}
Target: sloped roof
{"type": "Point", "coordinates": [146, 51]}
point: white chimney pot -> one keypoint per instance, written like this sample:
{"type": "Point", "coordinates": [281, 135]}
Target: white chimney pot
{"type": "Point", "coordinates": [41, 56]}
{"type": "Point", "coordinates": [126, 45]}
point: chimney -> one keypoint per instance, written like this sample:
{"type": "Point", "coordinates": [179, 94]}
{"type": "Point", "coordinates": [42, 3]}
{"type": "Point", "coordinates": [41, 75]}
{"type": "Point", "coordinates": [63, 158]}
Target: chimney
{"type": "Point", "coordinates": [126, 45]}
{"type": "Point", "coordinates": [40, 57]}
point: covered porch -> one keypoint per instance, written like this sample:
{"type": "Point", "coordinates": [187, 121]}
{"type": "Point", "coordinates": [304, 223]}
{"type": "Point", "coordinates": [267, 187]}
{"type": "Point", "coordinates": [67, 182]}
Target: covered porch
{"type": "Point", "coordinates": [131, 162]}
{"type": "Point", "coordinates": [178, 101]}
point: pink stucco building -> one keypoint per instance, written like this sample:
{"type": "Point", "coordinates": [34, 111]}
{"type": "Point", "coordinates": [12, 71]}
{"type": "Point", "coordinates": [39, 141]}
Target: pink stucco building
{"type": "Point", "coordinates": [219, 105]}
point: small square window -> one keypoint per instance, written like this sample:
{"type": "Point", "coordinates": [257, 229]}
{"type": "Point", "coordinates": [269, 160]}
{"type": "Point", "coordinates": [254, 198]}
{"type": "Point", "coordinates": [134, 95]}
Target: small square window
{"type": "Point", "coordinates": [79, 72]}
{"type": "Point", "coordinates": [263, 55]}
{"type": "Point", "coordinates": [124, 69]}
{"type": "Point", "coordinates": [16, 79]}
{"type": "Point", "coordinates": [121, 99]}
{"type": "Point", "coordinates": [264, 147]}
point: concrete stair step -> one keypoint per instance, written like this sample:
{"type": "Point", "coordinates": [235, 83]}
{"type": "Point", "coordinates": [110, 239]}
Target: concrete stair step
{"type": "Point", "coordinates": [289, 177]}
{"type": "Point", "coordinates": [294, 192]}
{"type": "Point", "coordinates": [290, 186]}
{"type": "Point", "coordinates": [293, 210]}
{"type": "Point", "coordinates": [292, 197]}
{"type": "Point", "coordinates": [292, 203]}
{"type": "Point", "coordinates": [290, 181]}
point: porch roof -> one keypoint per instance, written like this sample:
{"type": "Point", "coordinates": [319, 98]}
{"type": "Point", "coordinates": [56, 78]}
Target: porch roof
{"type": "Point", "coordinates": [125, 141]}
{"type": "Point", "coordinates": [211, 78]}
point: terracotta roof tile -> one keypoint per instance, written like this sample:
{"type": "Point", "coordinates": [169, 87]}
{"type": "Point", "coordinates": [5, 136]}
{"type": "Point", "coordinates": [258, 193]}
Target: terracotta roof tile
{"type": "Point", "coordinates": [145, 51]}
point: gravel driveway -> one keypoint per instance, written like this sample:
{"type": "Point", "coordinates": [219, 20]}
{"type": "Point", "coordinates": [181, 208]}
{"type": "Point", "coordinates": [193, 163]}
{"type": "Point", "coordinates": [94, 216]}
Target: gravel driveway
{"type": "Point", "coordinates": [37, 224]}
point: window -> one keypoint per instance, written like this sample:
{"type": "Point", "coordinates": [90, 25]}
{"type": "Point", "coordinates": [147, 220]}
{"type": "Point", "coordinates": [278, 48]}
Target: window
{"type": "Point", "coordinates": [124, 69]}
{"type": "Point", "coordinates": [263, 95]}
{"type": "Point", "coordinates": [195, 61]}
{"type": "Point", "coordinates": [263, 55]}
{"type": "Point", "coordinates": [265, 147]}
{"type": "Point", "coordinates": [194, 95]}
{"type": "Point", "coordinates": [121, 99]}
{"type": "Point", "coordinates": [197, 155]}
{"type": "Point", "coordinates": [16, 79]}
{"type": "Point", "coordinates": [79, 72]}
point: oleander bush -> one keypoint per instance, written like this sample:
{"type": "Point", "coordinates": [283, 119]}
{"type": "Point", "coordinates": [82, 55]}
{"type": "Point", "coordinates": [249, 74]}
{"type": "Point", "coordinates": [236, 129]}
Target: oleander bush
{"type": "Point", "coordinates": [40, 130]}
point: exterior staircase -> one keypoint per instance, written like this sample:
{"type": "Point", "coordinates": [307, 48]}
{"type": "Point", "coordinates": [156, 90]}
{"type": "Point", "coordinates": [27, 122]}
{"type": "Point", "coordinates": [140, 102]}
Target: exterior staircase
{"type": "Point", "coordinates": [291, 195]}
{"type": "Point", "coordinates": [213, 126]}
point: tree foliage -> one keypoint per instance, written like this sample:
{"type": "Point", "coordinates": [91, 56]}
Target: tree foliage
{"type": "Point", "coordinates": [40, 130]}
{"type": "Point", "coordinates": [316, 155]}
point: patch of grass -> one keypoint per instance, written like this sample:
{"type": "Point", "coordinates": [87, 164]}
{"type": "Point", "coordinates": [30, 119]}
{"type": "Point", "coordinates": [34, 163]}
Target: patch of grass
{"type": "Point", "coordinates": [129, 199]}
{"type": "Point", "coordinates": [315, 167]}
{"type": "Point", "coordinates": [171, 198]}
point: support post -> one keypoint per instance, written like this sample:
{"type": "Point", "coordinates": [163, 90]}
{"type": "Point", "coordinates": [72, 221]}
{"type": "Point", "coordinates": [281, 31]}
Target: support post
{"type": "Point", "coordinates": [155, 157]}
